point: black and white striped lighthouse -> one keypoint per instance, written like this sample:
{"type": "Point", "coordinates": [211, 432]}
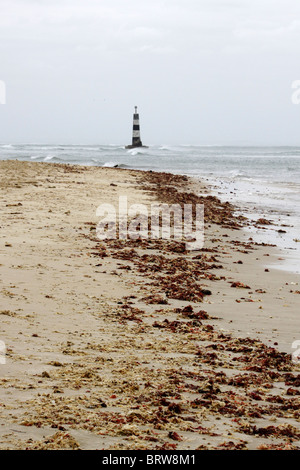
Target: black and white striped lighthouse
{"type": "Point", "coordinates": [136, 134]}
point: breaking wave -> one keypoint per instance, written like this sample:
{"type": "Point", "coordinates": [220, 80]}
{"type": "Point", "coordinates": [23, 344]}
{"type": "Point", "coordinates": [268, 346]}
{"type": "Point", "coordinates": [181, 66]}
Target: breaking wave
{"type": "Point", "coordinates": [115, 165]}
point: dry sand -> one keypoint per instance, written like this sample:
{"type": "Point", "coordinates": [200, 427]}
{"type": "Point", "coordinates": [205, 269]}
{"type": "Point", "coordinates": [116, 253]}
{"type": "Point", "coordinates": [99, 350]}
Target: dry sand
{"type": "Point", "coordinates": [115, 345]}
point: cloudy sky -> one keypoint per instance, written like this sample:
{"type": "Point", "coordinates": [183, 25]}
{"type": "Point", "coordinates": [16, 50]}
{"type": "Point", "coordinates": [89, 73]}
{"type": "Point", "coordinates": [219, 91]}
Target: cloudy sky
{"type": "Point", "coordinates": [200, 71]}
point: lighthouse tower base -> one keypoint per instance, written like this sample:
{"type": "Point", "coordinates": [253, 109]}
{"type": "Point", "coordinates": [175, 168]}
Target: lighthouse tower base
{"type": "Point", "coordinates": [135, 146]}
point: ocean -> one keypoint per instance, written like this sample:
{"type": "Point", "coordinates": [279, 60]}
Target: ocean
{"type": "Point", "coordinates": [260, 181]}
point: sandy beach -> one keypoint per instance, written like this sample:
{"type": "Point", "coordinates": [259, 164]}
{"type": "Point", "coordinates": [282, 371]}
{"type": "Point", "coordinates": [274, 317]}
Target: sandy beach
{"type": "Point", "coordinates": [139, 344]}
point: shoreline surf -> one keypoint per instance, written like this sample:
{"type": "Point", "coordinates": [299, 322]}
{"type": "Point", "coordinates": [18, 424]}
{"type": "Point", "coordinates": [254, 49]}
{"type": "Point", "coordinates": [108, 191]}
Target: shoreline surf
{"type": "Point", "coordinates": [263, 182]}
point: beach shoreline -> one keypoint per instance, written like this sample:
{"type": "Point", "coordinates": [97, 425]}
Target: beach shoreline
{"type": "Point", "coordinates": [102, 353]}
{"type": "Point", "coordinates": [282, 224]}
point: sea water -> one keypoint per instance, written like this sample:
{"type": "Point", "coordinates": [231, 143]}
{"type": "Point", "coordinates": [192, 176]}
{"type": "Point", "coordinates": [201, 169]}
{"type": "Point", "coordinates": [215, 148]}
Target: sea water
{"type": "Point", "coordinates": [259, 181]}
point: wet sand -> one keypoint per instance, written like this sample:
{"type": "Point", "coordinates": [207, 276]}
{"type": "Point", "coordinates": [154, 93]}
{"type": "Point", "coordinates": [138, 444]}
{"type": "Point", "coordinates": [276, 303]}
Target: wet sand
{"type": "Point", "coordinates": [139, 344]}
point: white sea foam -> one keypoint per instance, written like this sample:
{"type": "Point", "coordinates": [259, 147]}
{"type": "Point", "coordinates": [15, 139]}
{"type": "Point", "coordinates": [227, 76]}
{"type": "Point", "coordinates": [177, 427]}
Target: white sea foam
{"type": "Point", "coordinates": [236, 173]}
{"type": "Point", "coordinates": [110, 164]}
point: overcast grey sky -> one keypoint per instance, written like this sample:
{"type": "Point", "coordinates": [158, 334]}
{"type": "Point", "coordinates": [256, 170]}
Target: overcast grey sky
{"type": "Point", "coordinates": [200, 71]}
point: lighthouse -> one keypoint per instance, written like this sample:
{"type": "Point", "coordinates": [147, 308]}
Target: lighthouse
{"type": "Point", "coordinates": [136, 134]}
